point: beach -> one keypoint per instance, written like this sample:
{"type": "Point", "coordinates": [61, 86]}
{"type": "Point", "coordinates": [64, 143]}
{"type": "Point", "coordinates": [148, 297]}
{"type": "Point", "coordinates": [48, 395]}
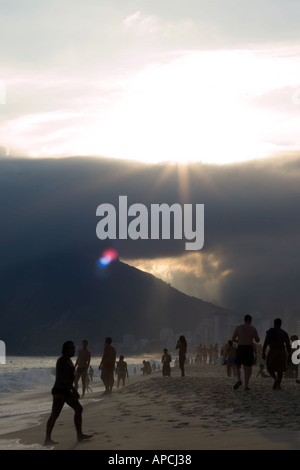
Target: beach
{"type": "Point", "coordinates": [200, 411]}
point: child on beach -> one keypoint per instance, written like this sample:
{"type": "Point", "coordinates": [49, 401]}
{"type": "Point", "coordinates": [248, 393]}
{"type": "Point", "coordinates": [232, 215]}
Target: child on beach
{"type": "Point", "coordinates": [229, 359]}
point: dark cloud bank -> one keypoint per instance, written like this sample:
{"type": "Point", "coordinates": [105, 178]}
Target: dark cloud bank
{"type": "Point", "coordinates": [252, 223]}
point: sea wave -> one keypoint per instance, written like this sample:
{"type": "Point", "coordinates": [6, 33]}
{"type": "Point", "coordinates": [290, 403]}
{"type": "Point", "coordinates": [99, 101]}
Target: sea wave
{"type": "Point", "coordinates": [25, 379]}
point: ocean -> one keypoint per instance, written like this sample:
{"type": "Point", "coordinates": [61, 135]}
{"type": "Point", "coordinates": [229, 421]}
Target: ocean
{"type": "Point", "coordinates": [25, 392]}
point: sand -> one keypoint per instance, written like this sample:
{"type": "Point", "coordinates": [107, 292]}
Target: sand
{"type": "Point", "coordinates": [200, 411]}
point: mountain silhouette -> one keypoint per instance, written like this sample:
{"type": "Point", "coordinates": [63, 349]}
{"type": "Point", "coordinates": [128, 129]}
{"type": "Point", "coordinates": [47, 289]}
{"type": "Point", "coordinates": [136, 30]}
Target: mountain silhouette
{"type": "Point", "coordinates": [69, 296]}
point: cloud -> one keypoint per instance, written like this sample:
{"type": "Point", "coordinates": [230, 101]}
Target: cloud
{"type": "Point", "coordinates": [79, 82]}
{"type": "Point", "coordinates": [70, 35]}
{"type": "Point", "coordinates": [251, 247]}
{"type": "Point", "coordinates": [141, 24]}
{"type": "Point", "coordinates": [177, 104]}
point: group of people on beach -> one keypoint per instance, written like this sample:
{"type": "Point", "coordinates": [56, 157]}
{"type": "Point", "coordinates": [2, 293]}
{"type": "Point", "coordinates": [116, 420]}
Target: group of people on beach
{"type": "Point", "coordinates": [68, 374]}
{"type": "Point", "coordinates": [166, 359]}
{"type": "Point", "coordinates": [276, 352]}
{"type": "Point", "coordinates": [108, 367]}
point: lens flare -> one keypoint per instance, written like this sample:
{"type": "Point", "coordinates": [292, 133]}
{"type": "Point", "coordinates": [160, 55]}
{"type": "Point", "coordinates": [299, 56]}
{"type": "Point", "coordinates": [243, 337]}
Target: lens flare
{"type": "Point", "coordinates": [107, 257]}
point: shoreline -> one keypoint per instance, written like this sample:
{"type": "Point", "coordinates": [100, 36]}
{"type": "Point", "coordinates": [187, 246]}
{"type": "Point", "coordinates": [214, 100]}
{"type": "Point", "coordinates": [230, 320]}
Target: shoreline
{"type": "Point", "coordinates": [198, 412]}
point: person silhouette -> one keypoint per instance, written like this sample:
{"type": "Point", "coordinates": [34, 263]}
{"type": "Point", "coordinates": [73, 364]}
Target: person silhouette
{"type": "Point", "coordinates": [121, 371]}
{"type": "Point", "coordinates": [82, 366]}
{"type": "Point", "coordinates": [244, 335]}
{"type": "Point", "coordinates": [166, 362]}
{"type": "Point", "coordinates": [277, 342]}
{"type": "Point", "coordinates": [63, 391]}
{"type": "Point", "coordinates": [107, 365]}
{"type": "Point", "coordinates": [182, 347]}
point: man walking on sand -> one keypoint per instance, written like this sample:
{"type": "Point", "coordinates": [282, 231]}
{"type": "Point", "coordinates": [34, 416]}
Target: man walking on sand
{"type": "Point", "coordinates": [63, 392]}
{"type": "Point", "coordinates": [277, 342]}
{"type": "Point", "coordinates": [244, 335]}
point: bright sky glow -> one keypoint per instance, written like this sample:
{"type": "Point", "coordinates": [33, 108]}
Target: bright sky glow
{"type": "Point", "coordinates": [187, 272]}
{"type": "Point", "coordinates": [149, 85]}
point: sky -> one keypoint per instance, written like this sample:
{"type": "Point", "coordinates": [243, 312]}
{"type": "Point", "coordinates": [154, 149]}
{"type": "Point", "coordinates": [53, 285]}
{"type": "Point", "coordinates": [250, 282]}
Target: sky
{"type": "Point", "coordinates": [150, 80]}
{"type": "Point", "coordinates": [197, 101]}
